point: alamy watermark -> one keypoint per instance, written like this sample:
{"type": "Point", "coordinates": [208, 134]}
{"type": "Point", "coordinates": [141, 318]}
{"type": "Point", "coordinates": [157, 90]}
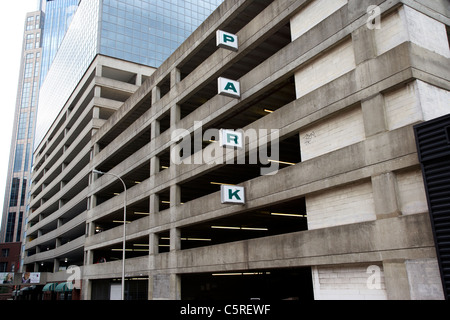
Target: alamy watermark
{"type": "Point", "coordinates": [250, 146]}
{"type": "Point", "coordinates": [374, 18]}
{"type": "Point", "coordinates": [374, 280]}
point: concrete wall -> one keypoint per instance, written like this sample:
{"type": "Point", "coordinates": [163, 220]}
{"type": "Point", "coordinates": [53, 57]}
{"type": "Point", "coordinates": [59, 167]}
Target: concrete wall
{"type": "Point", "coordinates": [339, 206]}
{"type": "Point", "coordinates": [414, 102]}
{"type": "Point", "coordinates": [407, 24]}
{"type": "Point", "coordinates": [338, 131]}
{"type": "Point", "coordinates": [333, 64]}
{"type": "Point", "coordinates": [349, 282]}
{"type": "Point", "coordinates": [312, 14]}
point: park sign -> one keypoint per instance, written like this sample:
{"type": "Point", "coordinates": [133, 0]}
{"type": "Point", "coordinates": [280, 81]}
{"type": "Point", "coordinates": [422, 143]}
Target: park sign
{"type": "Point", "coordinates": [227, 40]}
{"type": "Point", "coordinates": [232, 194]}
{"type": "Point", "coordinates": [231, 138]}
{"type": "Point", "coordinates": [229, 88]}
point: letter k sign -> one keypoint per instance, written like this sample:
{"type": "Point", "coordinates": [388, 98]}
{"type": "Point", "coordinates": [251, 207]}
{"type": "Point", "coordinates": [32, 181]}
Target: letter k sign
{"type": "Point", "coordinates": [232, 194]}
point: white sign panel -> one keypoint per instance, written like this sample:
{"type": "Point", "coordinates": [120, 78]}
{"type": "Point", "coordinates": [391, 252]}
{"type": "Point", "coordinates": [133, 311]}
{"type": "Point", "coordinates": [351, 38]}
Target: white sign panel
{"type": "Point", "coordinates": [231, 139]}
{"type": "Point", "coordinates": [230, 88]}
{"type": "Point", "coordinates": [232, 194]}
{"type": "Point", "coordinates": [227, 40]}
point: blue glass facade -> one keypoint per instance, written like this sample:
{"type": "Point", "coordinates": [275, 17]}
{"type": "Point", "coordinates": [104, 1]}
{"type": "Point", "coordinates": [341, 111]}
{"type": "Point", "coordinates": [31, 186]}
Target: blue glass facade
{"type": "Point", "coordinates": [148, 31]}
{"type": "Point", "coordinates": [139, 31]}
{"type": "Point", "coordinates": [58, 15]}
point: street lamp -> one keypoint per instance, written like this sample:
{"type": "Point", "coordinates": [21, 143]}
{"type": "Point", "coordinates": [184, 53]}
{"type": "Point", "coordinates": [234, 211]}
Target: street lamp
{"type": "Point", "coordinates": [124, 225]}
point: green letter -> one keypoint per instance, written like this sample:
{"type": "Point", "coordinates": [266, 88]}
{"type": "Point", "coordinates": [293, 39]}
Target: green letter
{"type": "Point", "coordinates": [231, 137]}
{"type": "Point", "coordinates": [227, 38]}
{"type": "Point", "coordinates": [233, 194]}
{"type": "Point", "coordinates": [230, 86]}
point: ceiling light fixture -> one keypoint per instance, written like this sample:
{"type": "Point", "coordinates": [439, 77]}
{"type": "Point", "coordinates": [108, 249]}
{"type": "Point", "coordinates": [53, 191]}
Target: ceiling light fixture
{"type": "Point", "coordinates": [282, 162]}
{"type": "Point", "coordinates": [239, 228]}
{"type": "Point", "coordinates": [288, 214]}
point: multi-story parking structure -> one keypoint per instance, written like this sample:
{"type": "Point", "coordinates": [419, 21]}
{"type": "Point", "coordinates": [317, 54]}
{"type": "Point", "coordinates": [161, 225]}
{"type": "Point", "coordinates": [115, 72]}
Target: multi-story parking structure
{"type": "Point", "coordinates": [341, 85]}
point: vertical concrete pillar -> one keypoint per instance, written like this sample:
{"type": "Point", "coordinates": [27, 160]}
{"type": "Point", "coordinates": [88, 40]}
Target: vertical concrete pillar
{"type": "Point", "coordinates": [55, 265]}
{"type": "Point", "coordinates": [89, 257]}
{"type": "Point", "coordinates": [175, 114]}
{"type": "Point", "coordinates": [156, 94]}
{"type": "Point", "coordinates": [396, 280]}
{"type": "Point", "coordinates": [385, 193]}
{"type": "Point", "coordinates": [86, 289]}
{"type": "Point", "coordinates": [97, 92]}
{"type": "Point", "coordinates": [175, 287]}
{"type": "Point", "coordinates": [96, 113]}
{"type": "Point", "coordinates": [364, 44]}
{"type": "Point", "coordinates": [175, 77]}
{"type": "Point", "coordinates": [374, 115]}
{"type": "Point", "coordinates": [154, 204]}
{"type": "Point", "coordinates": [138, 79]}
{"type": "Point", "coordinates": [175, 239]}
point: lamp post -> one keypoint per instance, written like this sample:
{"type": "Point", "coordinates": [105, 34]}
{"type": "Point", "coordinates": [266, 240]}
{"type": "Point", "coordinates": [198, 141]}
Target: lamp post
{"type": "Point", "coordinates": [124, 225]}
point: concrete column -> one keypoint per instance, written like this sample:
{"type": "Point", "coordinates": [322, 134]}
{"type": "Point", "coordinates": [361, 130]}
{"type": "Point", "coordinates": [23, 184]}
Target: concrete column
{"type": "Point", "coordinates": [86, 289]}
{"type": "Point", "coordinates": [97, 92]}
{"type": "Point", "coordinates": [153, 244]}
{"type": "Point", "coordinates": [175, 114]}
{"type": "Point", "coordinates": [99, 70]}
{"type": "Point", "coordinates": [55, 265]}
{"type": "Point", "coordinates": [96, 150]}
{"type": "Point", "coordinates": [90, 228]}
{"type": "Point", "coordinates": [175, 239]}
{"type": "Point", "coordinates": [156, 94]}
{"type": "Point", "coordinates": [89, 257]}
{"type": "Point", "coordinates": [175, 287]}
{"type": "Point", "coordinates": [175, 195]}
{"type": "Point", "coordinates": [155, 129]}
{"type": "Point", "coordinates": [364, 44]}
{"type": "Point", "coordinates": [139, 79]}
{"type": "Point", "coordinates": [384, 188]}
{"type": "Point", "coordinates": [175, 77]}
{"type": "Point", "coordinates": [96, 113]}
{"type": "Point", "coordinates": [374, 115]}
{"type": "Point", "coordinates": [396, 280]}
{"type": "Point", "coordinates": [150, 287]}
{"type": "Point", "coordinates": [154, 204]}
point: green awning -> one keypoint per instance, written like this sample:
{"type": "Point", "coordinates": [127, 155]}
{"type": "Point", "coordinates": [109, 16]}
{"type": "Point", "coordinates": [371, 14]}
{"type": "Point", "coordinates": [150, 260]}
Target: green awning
{"type": "Point", "coordinates": [49, 287]}
{"type": "Point", "coordinates": [64, 287]}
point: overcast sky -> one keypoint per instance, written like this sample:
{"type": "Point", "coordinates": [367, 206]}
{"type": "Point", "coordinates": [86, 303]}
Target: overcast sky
{"type": "Point", "coordinates": [12, 24]}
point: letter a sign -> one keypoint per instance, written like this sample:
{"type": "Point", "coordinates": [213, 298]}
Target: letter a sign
{"type": "Point", "coordinates": [232, 194]}
{"type": "Point", "coordinates": [229, 88]}
{"type": "Point", "coordinates": [227, 40]}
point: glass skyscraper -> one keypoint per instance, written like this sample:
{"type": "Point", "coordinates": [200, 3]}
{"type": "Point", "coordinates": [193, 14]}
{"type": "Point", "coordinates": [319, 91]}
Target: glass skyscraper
{"type": "Point", "coordinates": [140, 31]}
{"type": "Point", "coordinates": [148, 31]}
{"type": "Point", "coordinates": [43, 33]}
{"type": "Point", "coordinates": [58, 16]}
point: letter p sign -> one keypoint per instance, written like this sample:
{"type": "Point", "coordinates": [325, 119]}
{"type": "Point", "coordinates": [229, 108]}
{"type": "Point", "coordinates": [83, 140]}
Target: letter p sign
{"type": "Point", "coordinates": [227, 40]}
{"type": "Point", "coordinates": [232, 194]}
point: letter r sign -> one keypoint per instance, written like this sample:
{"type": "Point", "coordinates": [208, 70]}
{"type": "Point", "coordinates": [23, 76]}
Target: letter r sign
{"type": "Point", "coordinates": [232, 194]}
{"type": "Point", "coordinates": [227, 40]}
{"type": "Point", "coordinates": [231, 138]}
